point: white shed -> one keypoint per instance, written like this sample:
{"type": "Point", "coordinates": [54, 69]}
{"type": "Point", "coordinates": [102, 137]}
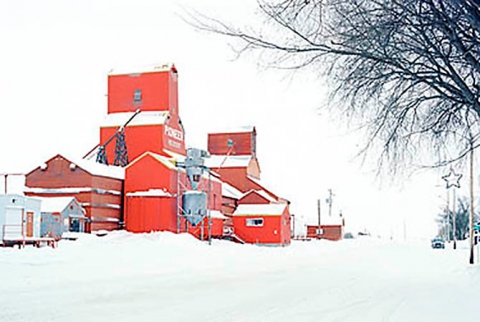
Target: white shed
{"type": "Point", "coordinates": [19, 218]}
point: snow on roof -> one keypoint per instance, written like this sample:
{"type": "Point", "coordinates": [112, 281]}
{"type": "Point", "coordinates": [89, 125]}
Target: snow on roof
{"type": "Point", "coordinates": [234, 129]}
{"type": "Point", "coordinates": [168, 162]}
{"type": "Point", "coordinates": [259, 210]}
{"type": "Point", "coordinates": [262, 193]}
{"type": "Point", "coordinates": [171, 164]}
{"type": "Point", "coordinates": [232, 161]}
{"type": "Point", "coordinates": [331, 220]}
{"type": "Point", "coordinates": [150, 193]}
{"type": "Point", "coordinates": [174, 155]}
{"type": "Point", "coordinates": [100, 169]}
{"type": "Point", "coordinates": [143, 118]}
{"type": "Point", "coordinates": [54, 204]}
{"type": "Point", "coordinates": [230, 191]}
{"type": "Point", "coordinates": [65, 190]}
{"type": "Point", "coordinates": [255, 180]}
{"type": "Point", "coordinates": [153, 68]}
{"type": "Point", "coordinates": [217, 214]}
{"type": "Point", "coordinates": [265, 187]}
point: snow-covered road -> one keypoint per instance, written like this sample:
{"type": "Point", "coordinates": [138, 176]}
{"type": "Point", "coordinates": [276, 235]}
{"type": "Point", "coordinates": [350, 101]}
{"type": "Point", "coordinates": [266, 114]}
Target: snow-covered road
{"type": "Point", "coordinates": [166, 277]}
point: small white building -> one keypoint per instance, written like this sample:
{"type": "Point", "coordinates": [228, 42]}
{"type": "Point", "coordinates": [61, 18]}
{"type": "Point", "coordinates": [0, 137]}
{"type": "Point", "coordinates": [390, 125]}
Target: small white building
{"type": "Point", "coordinates": [19, 218]}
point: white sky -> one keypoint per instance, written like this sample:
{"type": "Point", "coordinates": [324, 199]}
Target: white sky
{"type": "Point", "coordinates": [54, 63]}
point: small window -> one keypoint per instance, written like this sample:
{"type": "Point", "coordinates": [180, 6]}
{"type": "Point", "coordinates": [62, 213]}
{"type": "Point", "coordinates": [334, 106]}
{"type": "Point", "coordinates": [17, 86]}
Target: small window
{"type": "Point", "coordinates": [137, 95]}
{"type": "Point", "coordinates": [254, 222]}
{"type": "Point", "coordinates": [320, 231]}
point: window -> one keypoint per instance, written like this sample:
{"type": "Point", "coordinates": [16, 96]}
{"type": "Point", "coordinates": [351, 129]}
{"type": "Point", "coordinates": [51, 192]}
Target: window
{"type": "Point", "coordinates": [254, 222]}
{"type": "Point", "coordinates": [320, 231]}
{"type": "Point", "coordinates": [137, 95]}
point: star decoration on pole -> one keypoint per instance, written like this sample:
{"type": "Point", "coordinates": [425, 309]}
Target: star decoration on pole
{"type": "Point", "coordinates": [452, 179]}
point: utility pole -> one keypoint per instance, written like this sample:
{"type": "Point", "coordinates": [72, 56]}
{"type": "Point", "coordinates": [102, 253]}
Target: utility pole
{"type": "Point", "coordinates": [472, 234]}
{"type": "Point", "coordinates": [330, 202]}
{"type": "Point", "coordinates": [448, 216]}
{"type": "Point", "coordinates": [454, 220]}
{"type": "Point", "coordinates": [5, 178]}
{"type": "Point", "coordinates": [319, 212]}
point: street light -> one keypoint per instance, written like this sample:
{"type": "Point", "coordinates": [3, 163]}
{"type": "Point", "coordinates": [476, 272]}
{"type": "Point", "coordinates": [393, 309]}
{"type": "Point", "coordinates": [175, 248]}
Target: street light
{"type": "Point", "coordinates": [452, 180]}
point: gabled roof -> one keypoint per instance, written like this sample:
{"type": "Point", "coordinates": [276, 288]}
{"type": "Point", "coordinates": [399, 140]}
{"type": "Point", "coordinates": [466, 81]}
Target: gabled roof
{"type": "Point", "coordinates": [230, 191]}
{"type": "Point", "coordinates": [331, 220]}
{"type": "Point", "coordinates": [154, 68]}
{"type": "Point", "coordinates": [169, 163]}
{"type": "Point", "coordinates": [217, 214]}
{"type": "Point", "coordinates": [234, 129]}
{"type": "Point", "coordinates": [54, 204]}
{"type": "Point", "coordinates": [260, 209]}
{"type": "Point", "coordinates": [231, 161]}
{"type": "Point", "coordinates": [261, 193]}
{"type": "Point", "coordinates": [90, 166]}
{"type": "Point", "coordinates": [99, 169]}
{"type": "Point", "coordinates": [261, 185]}
{"type": "Point", "coordinates": [143, 118]}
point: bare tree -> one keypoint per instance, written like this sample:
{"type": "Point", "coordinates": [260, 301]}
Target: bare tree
{"type": "Point", "coordinates": [462, 219]}
{"type": "Point", "coordinates": [407, 69]}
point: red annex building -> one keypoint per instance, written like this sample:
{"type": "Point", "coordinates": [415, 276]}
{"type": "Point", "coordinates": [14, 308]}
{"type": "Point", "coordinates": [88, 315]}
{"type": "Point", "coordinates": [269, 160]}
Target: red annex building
{"type": "Point", "coordinates": [152, 184]}
{"type": "Point", "coordinates": [261, 217]}
{"type": "Point", "coordinates": [264, 224]}
{"type": "Point", "coordinates": [98, 188]}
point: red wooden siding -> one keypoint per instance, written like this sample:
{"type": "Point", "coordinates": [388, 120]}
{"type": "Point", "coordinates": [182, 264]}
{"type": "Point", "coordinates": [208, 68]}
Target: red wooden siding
{"type": "Point", "coordinates": [102, 199]}
{"type": "Point", "coordinates": [159, 91]}
{"type": "Point", "coordinates": [155, 212]}
{"type": "Point", "coordinates": [243, 143]}
{"type": "Point", "coordinates": [275, 229]}
{"type": "Point", "coordinates": [216, 228]}
{"type": "Point", "coordinates": [330, 232]}
{"type": "Point", "coordinates": [151, 213]}
{"type": "Point", "coordinates": [238, 176]}
{"type": "Point", "coordinates": [253, 198]}
{"type": "Point", "coordinates": [140, 139]}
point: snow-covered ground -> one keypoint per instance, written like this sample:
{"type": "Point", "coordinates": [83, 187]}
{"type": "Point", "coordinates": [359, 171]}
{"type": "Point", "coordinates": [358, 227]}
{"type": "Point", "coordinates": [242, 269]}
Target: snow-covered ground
{"type": "Point", "coordinates": [167, 277]}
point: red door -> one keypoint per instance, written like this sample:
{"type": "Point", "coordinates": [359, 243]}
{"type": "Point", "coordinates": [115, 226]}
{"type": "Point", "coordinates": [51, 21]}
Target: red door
{"type": "Point", "coordinates": [29, 224]}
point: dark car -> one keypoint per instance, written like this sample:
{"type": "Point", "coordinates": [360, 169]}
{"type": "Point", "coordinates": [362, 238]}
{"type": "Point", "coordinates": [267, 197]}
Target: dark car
{"type": "Point", "coordinates": [438, 242]}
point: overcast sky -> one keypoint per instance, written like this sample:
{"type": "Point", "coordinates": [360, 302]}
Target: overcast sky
{"type": "Point", "coordinates": [54, 63]}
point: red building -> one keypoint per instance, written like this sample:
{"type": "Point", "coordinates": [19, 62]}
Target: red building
{"type": "Point", "coordinates": [154, 88]}
{"type": "Point", "coordinates": [234, 159]}
{"type": "Point", "coordinates": [98, 188]}
{"type": "Point", "coordinates": [265, 224]}
{"type": "Point", "coordinates": [143, 127]}
{"type": "Point", "coordinates": [235, 170]}
{"type": "Point", "coordinates": [331, 228]}
{"type": "Point", "coordinates": [239, 141]}
{"type": "Point", "coordinates": [157, 128]}
{"type": "Point", "coordinates": [152, 184]}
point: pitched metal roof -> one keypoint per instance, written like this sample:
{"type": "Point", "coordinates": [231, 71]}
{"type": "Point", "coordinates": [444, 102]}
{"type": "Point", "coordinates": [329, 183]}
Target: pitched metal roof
{"type": "Point", "coordinates": [273, 209]}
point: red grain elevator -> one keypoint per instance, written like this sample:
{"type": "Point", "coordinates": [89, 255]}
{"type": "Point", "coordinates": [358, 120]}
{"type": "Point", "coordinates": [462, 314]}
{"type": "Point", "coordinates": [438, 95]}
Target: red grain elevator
{"type": "Point", "coordinates": [157, 128]}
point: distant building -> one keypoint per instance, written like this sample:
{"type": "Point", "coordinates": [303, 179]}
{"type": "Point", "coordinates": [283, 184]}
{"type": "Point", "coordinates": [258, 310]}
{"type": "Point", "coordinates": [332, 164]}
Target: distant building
{"type": "Point", "coordinates": [331, 228]}
{"type": "Point", "coordinates": [61, 215]}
